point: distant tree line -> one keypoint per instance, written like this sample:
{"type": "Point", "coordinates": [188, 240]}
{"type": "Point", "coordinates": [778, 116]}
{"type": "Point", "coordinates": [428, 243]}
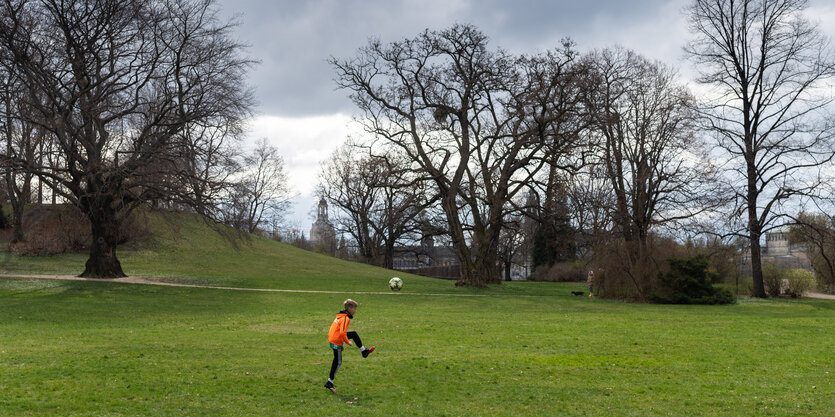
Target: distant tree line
{"type": "Point", "coordinates": [619, 154]}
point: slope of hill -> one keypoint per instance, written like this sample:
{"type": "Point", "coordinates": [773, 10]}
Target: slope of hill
{"type": "Point", "coordinates": [184, 248]}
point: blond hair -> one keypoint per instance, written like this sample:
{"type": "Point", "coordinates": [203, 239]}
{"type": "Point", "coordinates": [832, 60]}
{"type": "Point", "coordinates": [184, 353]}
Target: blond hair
{"type": "Point", "coordinates": [350, 303]}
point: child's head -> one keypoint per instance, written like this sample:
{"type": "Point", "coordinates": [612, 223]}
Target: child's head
{"type": "Point", "coordinates": [350, 306]}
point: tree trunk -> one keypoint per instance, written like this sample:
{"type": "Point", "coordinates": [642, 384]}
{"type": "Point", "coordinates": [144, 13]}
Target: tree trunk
{"type": "Point", "coordinates": [639, 268]}
{"type": "Point", "coordinates": [756, 266]}
{"type": "Point", "coordinates": [18, 199]}
{"type": "Point", "coordinates": [388, 256]}
{"type": "Point", "coordinates": [17, 221]}
{"type": "Point", "coordinates": [105, 226]}
{"type": "Point", "coordinates": [754, 233]}
{"type": "Point", "coordinates": [479, 270]}
{"type": "Point", "coordinates": [467, 276]}
{"type": "Point", "coordinates": [488, 264]}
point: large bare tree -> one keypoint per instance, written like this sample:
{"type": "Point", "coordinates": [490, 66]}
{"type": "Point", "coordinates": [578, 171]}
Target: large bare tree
{"type": "Point", "coordinates": [473, 120]}
{"type": "Point", "coordinates": [766, 66]}
{"type": "Point", "coordinates": [642, 120]}
{"type": "Point", "coordinates": [124, 87]}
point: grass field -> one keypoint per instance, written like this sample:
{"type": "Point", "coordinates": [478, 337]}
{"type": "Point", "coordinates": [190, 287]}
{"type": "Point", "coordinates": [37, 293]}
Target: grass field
{"type": "Point", "coordinates": [107, 349]}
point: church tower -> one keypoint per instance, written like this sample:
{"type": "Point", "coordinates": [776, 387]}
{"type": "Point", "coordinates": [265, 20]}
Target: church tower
{"type": "Point", "coordinates": [322, 234]}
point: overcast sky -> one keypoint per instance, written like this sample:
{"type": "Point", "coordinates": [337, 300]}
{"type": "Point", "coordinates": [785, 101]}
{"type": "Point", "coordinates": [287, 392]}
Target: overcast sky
{"type": "Point", "coordinates": [301, 112]}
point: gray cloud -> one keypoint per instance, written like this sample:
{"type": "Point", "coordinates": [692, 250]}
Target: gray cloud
{"type": "Point", "coordinates": [293, 39]}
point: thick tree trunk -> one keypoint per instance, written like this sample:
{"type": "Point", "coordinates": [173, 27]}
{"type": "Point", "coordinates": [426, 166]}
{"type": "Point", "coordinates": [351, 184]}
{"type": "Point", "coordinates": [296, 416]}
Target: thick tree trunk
{"type": "Point", "coordinates": [473, 275]}
{"type": "Point", "coordinates": [480, 269]}
{"type": "Point", "coordinates": [105, 226]}
{"type": "Point", "coordinates": [488, 264]}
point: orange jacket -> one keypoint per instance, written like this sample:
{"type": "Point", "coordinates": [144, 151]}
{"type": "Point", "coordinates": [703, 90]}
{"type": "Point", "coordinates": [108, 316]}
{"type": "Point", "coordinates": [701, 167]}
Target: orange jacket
{"type": "Point", "coordinates": [338, 333]}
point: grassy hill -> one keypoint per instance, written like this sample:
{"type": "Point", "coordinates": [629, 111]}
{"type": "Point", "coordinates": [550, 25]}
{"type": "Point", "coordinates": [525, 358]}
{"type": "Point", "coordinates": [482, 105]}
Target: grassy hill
{"type": "Point", "coordinates": [183, 247]}
{"type": "Point", "coordinates": [74, 348]}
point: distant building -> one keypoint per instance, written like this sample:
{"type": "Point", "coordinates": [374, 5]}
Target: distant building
{"type": "Point", "coordinates": [427, 259]}
{"type": "Point", "coordinates": [781, 251]}
{"type": "Point", "coordinates": [778, 249]}
{"type": "Point", "coordinates": [442, 262]}
{"type": "Point", "coordinates": [322, 234]}
{"type": "Point", "coordinates": [430, 260]}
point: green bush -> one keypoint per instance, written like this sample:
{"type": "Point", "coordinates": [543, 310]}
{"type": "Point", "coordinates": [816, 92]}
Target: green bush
{"type": "Point", "coordinates": [722, 296]}
{"type": "Point", "coordinates": [773, 279]}
{"type": "Point", "coordinates": [786, 282]}
{"type": "Point", "coordinates": [688, 282]}
{"type": "Point", "coordinates": [797, 282]}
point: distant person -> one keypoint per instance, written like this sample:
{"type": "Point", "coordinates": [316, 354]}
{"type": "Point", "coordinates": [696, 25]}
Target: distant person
{"type": "Point", "coordinates": [590, 281]}
{"type": "Point", "coordinates": [339, 334]}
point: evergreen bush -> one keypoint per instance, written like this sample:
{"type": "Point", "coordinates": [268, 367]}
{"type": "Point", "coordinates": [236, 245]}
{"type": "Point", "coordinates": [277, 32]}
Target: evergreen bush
{"type": "Point", "coordinates": [689, 282]}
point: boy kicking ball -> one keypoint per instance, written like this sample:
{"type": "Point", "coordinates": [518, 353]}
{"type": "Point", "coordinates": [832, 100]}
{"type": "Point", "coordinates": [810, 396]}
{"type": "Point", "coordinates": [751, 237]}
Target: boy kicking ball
{"type": "Point", "coordinates": [338, 335]}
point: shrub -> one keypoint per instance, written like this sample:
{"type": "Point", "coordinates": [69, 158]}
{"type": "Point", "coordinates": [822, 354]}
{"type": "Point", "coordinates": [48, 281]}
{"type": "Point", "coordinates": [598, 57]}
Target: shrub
{"type": "Point", "coordinates": [797, 282]}
{"type": "Point", "coordinates": [560, 272]}
{"type": "Point", "coordinates": [722, 296]}
{"type": "Point", "coordinates": [630, 270]}
{"type": "Point", "coordinates": [787, 282]}
{"type": "Point", "coordinates": [688, 282]}
{"type": "Point", "coordinates": [824, 276]}
{"type": "Point", "coordinates": [773, 279]}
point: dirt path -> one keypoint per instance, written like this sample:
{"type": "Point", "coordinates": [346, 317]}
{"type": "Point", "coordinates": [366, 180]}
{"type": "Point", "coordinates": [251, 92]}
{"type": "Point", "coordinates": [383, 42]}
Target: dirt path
{"type": "Point", "coordinates": [153, 281]}
{"type": "Point", "coordinates": [819, 295]}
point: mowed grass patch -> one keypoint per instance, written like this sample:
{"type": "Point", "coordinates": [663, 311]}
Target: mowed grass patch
{"type": "Point", "coordinates": [105, 349]}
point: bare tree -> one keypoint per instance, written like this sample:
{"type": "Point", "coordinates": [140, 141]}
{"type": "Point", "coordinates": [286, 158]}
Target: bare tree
{"type": "Point", "coordinates": [378, 200]}
{"type": "Point", "coordinates": [642, 120]}
{"type": "Point", "coordinates": [123, 87]}
{"type": "Point", "coordinates": [766, 64]}
{"type": "Point", "coordinates": [512, 244]}
{"type": "Point", "coordinates": [472, 120]}
{"type": "Point", "coordinates": [21, 142]}
{"type": "Point", "coordinates": [262, 193]}
{"type": "Point", "coordinates": [813, 227]}
{"type": "Point", "coordinates": [589, 201]}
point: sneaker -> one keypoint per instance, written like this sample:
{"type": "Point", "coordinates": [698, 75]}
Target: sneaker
{"type": "Point", "coordinates": [329, 385]}
{"type": "Point", "coordinates": [367, 352]}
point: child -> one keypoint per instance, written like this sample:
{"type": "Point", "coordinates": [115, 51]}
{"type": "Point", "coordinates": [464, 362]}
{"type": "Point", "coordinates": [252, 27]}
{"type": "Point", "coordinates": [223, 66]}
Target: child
{"type": "Point", "coordinates": [590, 281]}
{"type": "Point", "coordinates": [339, 334]}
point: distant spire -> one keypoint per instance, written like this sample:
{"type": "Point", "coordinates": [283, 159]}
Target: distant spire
{"type": "Point", "coordinates": [323, 210]}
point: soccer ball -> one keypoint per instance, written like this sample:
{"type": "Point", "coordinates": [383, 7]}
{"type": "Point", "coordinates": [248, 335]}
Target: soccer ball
{"type": "Point", "coordinates": [395, 284]}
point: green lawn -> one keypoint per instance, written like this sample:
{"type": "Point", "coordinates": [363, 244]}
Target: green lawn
{"type": "Point", "coordinates": [106, 349]}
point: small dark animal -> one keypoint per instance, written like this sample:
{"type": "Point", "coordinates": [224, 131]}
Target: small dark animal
{"type": "Point", "coordinates": [578, 293]}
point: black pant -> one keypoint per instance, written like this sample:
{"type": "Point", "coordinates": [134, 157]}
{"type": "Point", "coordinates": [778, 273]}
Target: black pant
{"type": "Point", "coordinates": [337, 354]}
